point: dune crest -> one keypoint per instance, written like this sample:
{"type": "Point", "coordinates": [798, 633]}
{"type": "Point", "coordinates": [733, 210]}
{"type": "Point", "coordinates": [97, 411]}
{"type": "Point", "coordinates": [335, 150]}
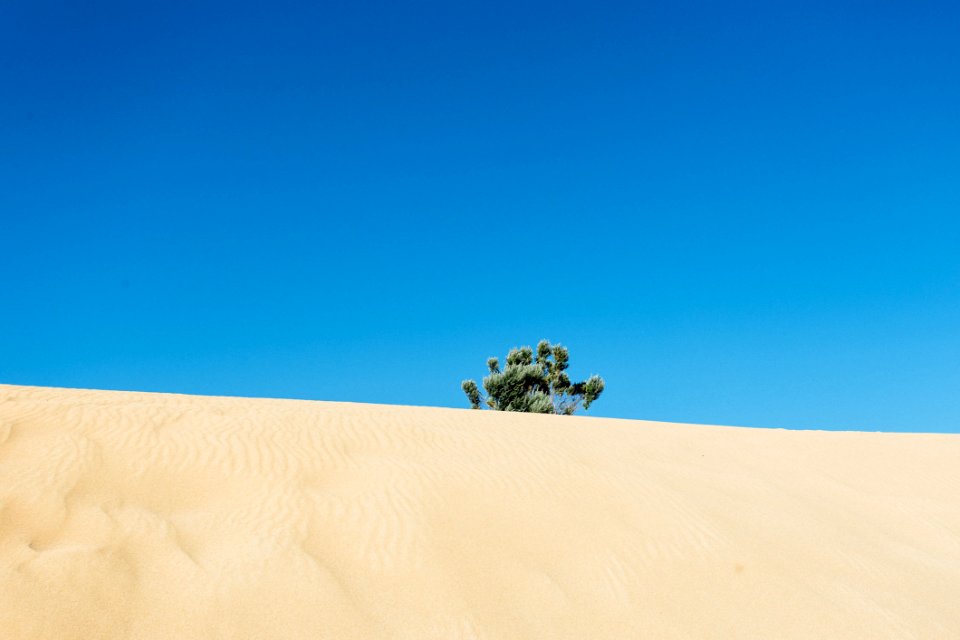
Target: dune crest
{"type": "Point", "coordinates": [148, 516]}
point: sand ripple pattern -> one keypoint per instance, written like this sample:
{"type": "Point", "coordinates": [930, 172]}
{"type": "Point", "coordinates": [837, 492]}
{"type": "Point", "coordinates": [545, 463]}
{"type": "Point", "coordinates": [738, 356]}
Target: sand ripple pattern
{"type": "Point", "coordinates": [148, 516]}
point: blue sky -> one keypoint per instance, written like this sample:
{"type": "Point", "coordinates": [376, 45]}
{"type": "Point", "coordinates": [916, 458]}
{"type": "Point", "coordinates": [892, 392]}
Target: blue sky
{"type": "Point", "coordinates": [737, 213]}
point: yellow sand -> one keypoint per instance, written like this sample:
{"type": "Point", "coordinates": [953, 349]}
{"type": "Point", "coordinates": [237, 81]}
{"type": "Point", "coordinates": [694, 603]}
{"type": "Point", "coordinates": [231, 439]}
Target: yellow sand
{"type": "Point", "coordinates": [140, 515]}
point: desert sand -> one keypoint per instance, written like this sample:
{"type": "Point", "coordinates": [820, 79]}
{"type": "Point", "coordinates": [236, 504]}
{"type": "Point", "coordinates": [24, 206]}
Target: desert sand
{"type": "Point", "coordinates": [145, 515]}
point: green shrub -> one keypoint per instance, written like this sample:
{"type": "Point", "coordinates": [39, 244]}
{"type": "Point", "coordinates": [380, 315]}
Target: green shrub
{"type": "Point", "coordinates": [534, 384]}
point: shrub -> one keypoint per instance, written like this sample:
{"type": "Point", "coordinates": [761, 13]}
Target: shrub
{"type": "Point", "coordinates": [534, 384]}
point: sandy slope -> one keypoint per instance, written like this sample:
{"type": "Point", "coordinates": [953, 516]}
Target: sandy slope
{"type": "Point", "coordinates": [137, 515]}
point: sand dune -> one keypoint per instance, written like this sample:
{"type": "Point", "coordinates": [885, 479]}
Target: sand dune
{"type": "Point", "coordinates": [140, 515]}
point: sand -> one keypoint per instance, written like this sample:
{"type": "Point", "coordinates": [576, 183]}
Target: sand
{"type": "Point", "coordinates": [143, 515]}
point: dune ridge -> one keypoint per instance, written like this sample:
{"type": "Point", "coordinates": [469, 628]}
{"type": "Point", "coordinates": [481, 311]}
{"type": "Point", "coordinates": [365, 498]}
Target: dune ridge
{"type": "Point", "coordinates": [144, 515]}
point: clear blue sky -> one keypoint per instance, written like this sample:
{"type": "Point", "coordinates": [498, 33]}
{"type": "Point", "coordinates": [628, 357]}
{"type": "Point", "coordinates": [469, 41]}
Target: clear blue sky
{"type": "Point", "coordinates": [737, 213]}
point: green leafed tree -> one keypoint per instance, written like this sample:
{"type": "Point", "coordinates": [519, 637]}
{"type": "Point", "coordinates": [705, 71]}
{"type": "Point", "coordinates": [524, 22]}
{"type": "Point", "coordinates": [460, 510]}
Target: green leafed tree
{"type": "Point", "coordinates": [533, 383]}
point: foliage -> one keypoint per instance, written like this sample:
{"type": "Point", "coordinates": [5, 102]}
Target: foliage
{"type": "Point", "coordinates": [534, 384]}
